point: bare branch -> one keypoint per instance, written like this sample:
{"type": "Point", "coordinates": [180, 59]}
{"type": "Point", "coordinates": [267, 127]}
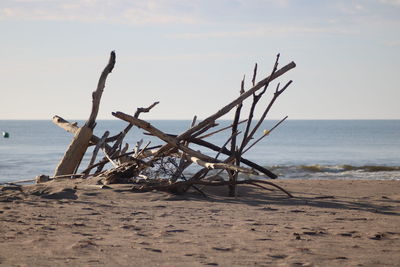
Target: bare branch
{"type": "Point", "coordinates": [96, 95]}
{"type": "Point", "coordinates": [253, 81]}
{"type": "Point", "coordinates": [266, 132]}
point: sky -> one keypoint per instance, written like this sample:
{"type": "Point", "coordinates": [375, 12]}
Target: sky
{"type": "Point", "coordinates": [192, 55]}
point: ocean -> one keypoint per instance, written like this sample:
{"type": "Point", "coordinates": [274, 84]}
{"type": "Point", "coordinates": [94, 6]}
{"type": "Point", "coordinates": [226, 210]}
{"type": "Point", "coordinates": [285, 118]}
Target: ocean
{"type": "Point", "coordinates": [297, 149]}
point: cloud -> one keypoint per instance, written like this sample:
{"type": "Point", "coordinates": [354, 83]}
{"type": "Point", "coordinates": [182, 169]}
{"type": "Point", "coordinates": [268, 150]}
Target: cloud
{"type": "Point", "coordinates": [200, 56]}
{"type": "Point", "coordinates": [280, 3]}
{"type": "Point", "coordinates": [392, 43]}
{"type": "Point", "coordinates": [390, 2]}
{"type": "Point", "coordinates": [262, 32]}
{"type": "Point", "coordinates": [140, 16]}
{"type": "Point", "coordinates": [114, 11]}
{"type": "Point", "coordinates": [219, 13]}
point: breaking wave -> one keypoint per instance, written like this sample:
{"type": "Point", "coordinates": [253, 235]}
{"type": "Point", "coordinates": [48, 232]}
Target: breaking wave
{"type": "Point", "coordinates": [317, 171]}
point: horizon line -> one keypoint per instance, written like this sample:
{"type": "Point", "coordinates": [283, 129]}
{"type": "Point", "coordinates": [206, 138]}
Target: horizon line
{"type": "Point", "coordinates": [200, 119]}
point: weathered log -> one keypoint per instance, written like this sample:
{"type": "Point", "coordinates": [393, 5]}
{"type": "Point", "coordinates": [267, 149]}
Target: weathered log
{"type": "Point", "coordinates": [76, 150]}
{"type": "Point", "coordinates": [66, 125]}
{"type": "Point", "coordinates": [146, 152]}
{"type": "Point", "coordinates": [73, 128]}
{"type": "Point", "coordinates": [219, 165]}
{"type": "Point", "coordinates": [120, 137]}
{"type": "Point", "coordinates": [227, 152]}
{"type": "Point", "coordinates": [172, 141]}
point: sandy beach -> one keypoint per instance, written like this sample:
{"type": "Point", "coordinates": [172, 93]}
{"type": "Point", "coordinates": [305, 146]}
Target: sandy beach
{"type": "Point", "coordinates": [77, 223]}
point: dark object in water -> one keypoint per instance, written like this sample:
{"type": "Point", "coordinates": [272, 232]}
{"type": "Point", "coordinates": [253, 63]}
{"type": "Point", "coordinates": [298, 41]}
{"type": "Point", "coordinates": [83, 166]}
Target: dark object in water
{"type": "Point", "coordinates": [6, 135]}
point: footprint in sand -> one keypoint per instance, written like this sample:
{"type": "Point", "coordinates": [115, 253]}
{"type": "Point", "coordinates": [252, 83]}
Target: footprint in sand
{"type": "Point", "coordinates": [268, 209]}
{"type": "Point", "coordinates": [176, 231]}
{"type": "Point", "coordinates": [378, 236]}
{"type": "Point", "coordinates": [348, 234]}
{"type": "Point", "coordinates": [297, 211]}
{"type": "Point", "coordinates": [153, 250]}
{"type": "Point", "coordinates": [222, 249]}
{"type": "Point", "coordinates": [314, 233]}
{"type": "Point", "coordinates": [83, 244]}
{"type": "Point", "coordinates": [278, 256]}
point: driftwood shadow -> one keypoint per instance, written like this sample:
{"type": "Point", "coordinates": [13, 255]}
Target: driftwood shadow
{"type": "Point", "coordinates": [255, 197]}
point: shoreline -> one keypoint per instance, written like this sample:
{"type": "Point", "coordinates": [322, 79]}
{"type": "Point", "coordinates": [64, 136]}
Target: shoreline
{"type": "Point", "coordinates": [329, 222]}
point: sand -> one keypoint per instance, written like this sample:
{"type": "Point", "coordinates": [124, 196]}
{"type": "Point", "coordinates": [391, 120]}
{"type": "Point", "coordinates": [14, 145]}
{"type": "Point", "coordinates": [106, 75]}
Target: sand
{"type": "Point", "coordinates": [328, 223]}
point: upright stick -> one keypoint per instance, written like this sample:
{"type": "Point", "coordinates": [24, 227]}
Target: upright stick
{"type": "Point", "coordinates": [77, 149]}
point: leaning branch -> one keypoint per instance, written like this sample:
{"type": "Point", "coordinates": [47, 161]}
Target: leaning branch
{"type": "Point", "coordinates": [96, 95]}
{"type": "Point", "coordinates": [238, 100]}
{"type": "Point", "coordinates": [173, 142]}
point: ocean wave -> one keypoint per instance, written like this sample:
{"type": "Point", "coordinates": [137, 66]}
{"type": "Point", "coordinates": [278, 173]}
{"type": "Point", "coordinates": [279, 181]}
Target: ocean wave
{"type": "Point", "coordinates": [344, 171]}
{"type": "Point", "coordinates": [338, 168]}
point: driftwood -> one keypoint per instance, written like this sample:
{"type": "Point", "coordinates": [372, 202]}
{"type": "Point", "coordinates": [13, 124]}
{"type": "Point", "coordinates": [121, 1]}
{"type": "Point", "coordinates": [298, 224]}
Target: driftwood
{"type": "Point", "coordinates": [73, 128]}
{"type": "Point", "coordinates": [120, 137]}
{"type": "Point", "coordinates": [96, 95]}
{"type": "Point", "coordinates": [197, 156]}
{"type": "Point", "coordinates": [163, 167]}
{"type": "Point", "coordinates": [77, 149]}
{"type": "Point", "coordinates": [75, 152]}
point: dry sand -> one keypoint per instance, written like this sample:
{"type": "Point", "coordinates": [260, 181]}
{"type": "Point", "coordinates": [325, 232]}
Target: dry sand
{"type": "Point", "coordinates": [328, 223]}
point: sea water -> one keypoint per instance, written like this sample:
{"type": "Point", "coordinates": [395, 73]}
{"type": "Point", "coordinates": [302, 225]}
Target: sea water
{"type": "Point", "coordinates": [297, 149]}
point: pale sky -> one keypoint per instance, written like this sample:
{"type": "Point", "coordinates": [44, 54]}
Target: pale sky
{"type": "Point", "coordinates": [191, 56]}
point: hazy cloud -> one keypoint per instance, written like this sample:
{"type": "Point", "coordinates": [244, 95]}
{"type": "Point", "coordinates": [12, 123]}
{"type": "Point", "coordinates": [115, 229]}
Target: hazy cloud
{"type": "Point", "coordinates": [263, 32]}
{"type": "Point", "coordinates": [211, 12]}
{"type": "Point", "coordinates": [392, 43]}
{"type": "Point", "coordinates": [391, 2]}
{"type": "Point", "coordinates": [117, 11]}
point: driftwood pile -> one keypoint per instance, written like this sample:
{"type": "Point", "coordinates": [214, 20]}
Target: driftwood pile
{"type": "Point", "coordinates": [162, 167]}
